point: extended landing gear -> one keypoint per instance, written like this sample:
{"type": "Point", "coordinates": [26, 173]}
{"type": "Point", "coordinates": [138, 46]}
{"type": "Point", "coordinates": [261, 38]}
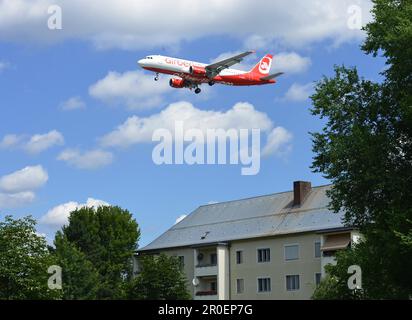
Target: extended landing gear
{"type": "Point", "coordinates": [193, 86]}
{"type": "Point", "coordinates": [211, 83]}
{"type": "Point", "coordinates": [156, 78]}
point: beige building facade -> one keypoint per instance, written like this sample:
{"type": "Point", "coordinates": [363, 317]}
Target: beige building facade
{"type": "Point", "coordinates": [278, 251]}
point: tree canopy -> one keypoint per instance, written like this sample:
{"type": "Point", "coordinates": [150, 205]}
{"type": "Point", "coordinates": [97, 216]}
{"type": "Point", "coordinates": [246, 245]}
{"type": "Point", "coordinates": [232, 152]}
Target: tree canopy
{"type": "Point", "coordinates": [80, 277]}
{"type": "Point", "coordinates": [160, 278]}
{"type": "Point", "coordinates": [107, 238]}
{"type": "Point", "coordinates": [24, 261]}
{"type": "Point", "coordinates": [365, 149]}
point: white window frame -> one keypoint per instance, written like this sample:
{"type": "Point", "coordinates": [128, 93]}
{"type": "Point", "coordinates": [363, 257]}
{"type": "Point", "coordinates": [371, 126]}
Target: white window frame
{"type": "Point", "coordinates": [257, 254]}
{"type": "Point", "coordinates": [237, 287]}
{"type": "Point", "coordinates": [290, 245]}
{"type": "Point", "coordinates": [243, 256]}
{"type": "Point", "coordinates": [286, 282]}
{"type": "Point", "coordinates": [314, 249]}
{"type": "Point", "coordinates": [257, 284]}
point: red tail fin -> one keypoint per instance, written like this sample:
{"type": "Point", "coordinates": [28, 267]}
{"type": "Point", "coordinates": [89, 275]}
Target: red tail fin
{"type": "Point", "coordinates": [263, 67]}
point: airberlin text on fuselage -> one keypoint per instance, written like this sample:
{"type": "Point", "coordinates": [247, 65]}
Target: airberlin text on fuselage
{"type": "Point", "coordinates": [181, 63]}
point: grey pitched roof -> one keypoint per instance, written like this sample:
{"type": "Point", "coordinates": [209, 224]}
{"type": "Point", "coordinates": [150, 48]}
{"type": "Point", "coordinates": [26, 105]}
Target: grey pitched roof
{"type": "Point", "coordinates": [262, 216]}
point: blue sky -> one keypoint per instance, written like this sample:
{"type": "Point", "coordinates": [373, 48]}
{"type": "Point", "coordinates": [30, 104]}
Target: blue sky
{"type": "Point", "coordinates": [39, 74]}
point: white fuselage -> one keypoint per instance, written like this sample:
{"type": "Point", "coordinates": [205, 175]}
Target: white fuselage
{"type": "Point", "coordinates": [175, 66]}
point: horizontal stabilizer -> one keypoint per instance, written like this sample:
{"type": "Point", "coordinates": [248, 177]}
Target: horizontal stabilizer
{"type": "Point", "coordinates": [272, 76]}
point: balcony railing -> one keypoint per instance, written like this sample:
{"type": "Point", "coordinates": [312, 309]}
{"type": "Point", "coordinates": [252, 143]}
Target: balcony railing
{"type": "Point", "coordinates": [204, 265]}
{"type": "Point", "coordinates": [204, 270]}
{"type": "Point", "coordinates": [207, 293]}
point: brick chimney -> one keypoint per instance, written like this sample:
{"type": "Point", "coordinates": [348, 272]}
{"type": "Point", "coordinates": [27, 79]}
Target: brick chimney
{"type": "Point", "coordinates": [300, 191]}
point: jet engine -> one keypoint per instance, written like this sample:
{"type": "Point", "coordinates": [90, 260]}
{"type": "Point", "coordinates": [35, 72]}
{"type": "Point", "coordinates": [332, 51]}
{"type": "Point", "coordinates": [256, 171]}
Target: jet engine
{"type": "Point", "coordinates": [177, 83]}
{"type": "Point", "coordinates": [197, 71]}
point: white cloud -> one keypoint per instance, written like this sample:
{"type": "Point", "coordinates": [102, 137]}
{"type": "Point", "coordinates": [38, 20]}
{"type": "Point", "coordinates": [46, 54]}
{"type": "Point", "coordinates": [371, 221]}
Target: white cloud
{"type": "Point", "coordinates": [59, 215]}
{"type": "Point", "coordinates": [42, 142]}
{"type": "Point", "coordinates": [17, 188]}
{"type": "Point", "coordinates": [139, 130]}
{"type": "Point", "coordinates": [93, 159]}
{"type": "Point", "coordinates": [10, 141]}
{"type": "Point", "coordinates": [34, 144]}
{"type": "Point", "coordinates": [13, 200]}
{"type": "Point", "coordinates": [134, 89]}
{"type": "Point", "coordinates": [290, 62]}
{"type": "Point", "coordinates": [299, 92]}
{"type": "Point", "coordinates": [26, 179]}
{"type": "Point", "coordinates": [133, 24]}
{"type": "Point", "coordinates": [277, 139]}
{"type": "Point", "coordinates": [257, 42]}
{"type": "Point", "coordinates": [180, 218]}
{"type": "Point", "coordinates": [73, 103]}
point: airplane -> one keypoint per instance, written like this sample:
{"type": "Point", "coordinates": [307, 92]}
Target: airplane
{"type": "Point", "coordinates": [191, 74]}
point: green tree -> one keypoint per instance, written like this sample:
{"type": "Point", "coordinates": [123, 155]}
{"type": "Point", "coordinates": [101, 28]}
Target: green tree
{"type": "Point", "coordinates": [376, 282]}
{"type": "Point", "coordinates": [107, 236]}
{"type": "Point", "coordinates": [365, 149]}
{"type": "Point", "coordinates": [24, 261]}
{"type": "Point", "coordinates": [160, 278]}
{"type": "Point", "coordinates": [80, 277]}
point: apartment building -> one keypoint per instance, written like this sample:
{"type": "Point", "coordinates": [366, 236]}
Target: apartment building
{"type": "Point", "coordinates": [267, 247]}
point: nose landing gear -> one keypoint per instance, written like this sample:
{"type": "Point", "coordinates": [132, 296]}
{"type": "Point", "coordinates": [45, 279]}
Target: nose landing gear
{"type": "Point", "coordinates": [156, 78]}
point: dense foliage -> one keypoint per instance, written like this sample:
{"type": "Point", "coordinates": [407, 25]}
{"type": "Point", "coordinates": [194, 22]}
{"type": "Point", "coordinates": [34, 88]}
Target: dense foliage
{"type": "Point", "coordinates": [101, 240]}
{"type": "Point", "coordinates": [365, 149]}
{"type": "Point", "coordinates": [24, 261]}
{"type": "Point", "coordinates": [160, 278]}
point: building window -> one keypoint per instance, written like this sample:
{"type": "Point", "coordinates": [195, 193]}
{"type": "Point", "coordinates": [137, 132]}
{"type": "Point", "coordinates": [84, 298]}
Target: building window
{"type": "Point", "coordinates": [292, 282]}
{"type": "Point", "coordinates": [291, 252]}
{"type": "Point", "coordinates": [213, 259]}
{"type": "Point", "coordinates": [264, 285]}
{"type": "Point", "coordinates": [181, 262]}
{"type": "Point", "coordinates": [264, 255]}
{"type": "Point", "coordinates": [318, 277]}
{"type": "Point", "coordinates": [240, 285]}
{"type": "Point", "coordinates": [239, 257]}
{"type": "Point", "coordinates": [317, 249]}
{"type": "Point", "coordinates": [213, 286]}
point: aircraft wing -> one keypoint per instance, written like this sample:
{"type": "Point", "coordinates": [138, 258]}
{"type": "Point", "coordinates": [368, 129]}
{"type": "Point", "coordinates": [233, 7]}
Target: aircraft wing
{"type": "Point", "coordinates": [215, 68]}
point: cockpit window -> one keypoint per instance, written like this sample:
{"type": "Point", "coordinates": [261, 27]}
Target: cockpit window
{"type": "Point", "coordinates": [149, 57]}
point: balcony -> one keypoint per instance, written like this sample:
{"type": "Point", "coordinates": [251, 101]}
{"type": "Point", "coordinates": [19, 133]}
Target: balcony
{"type": "Point", "coordinates": [211, 272]}
{"type": "Point", "coordinates": [206, 270]}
